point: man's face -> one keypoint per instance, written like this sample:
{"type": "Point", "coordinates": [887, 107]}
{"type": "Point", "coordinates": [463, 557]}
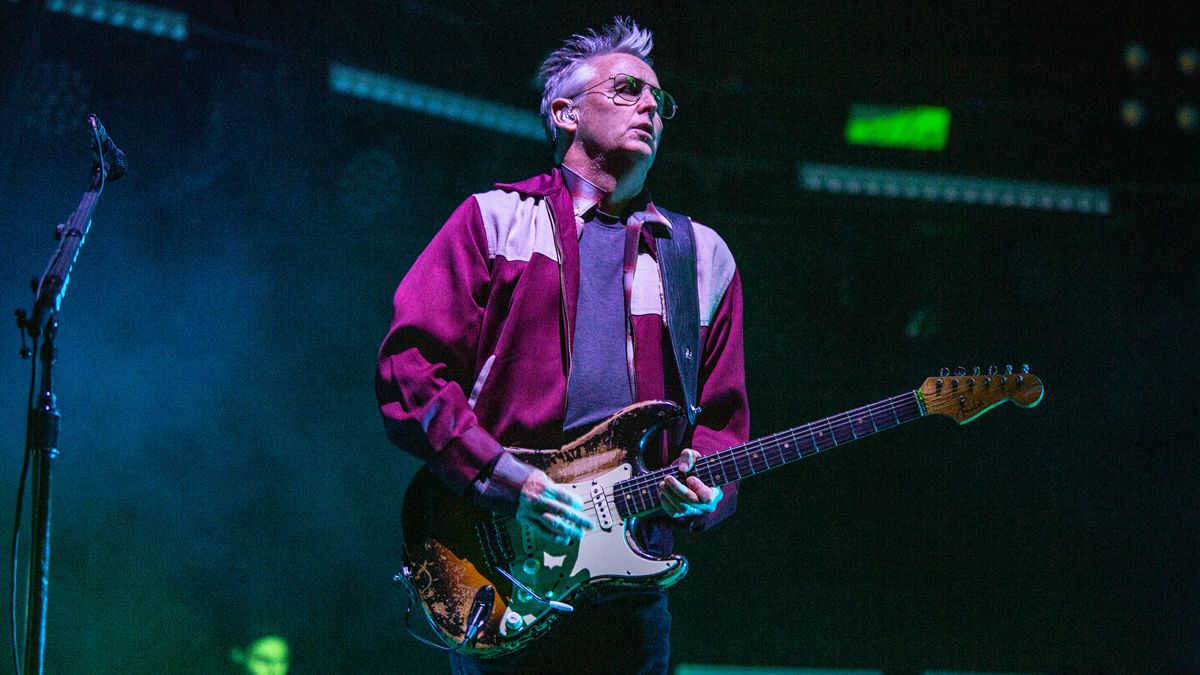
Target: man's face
{"type": "Point", "coordinates": [266, 656]}
{"type": "Point", "coordinates": [611, 127]}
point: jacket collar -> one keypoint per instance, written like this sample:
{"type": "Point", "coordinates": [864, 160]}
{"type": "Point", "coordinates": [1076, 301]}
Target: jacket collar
{"type": "Point", "coordinates": [546, 184]}
{"type": "Point", "coordinates": [541, 185]}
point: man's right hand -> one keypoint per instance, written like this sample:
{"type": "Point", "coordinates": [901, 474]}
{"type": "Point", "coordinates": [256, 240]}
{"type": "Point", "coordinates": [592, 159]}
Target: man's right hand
{"type": "Point", "coordinates": [551, 510]}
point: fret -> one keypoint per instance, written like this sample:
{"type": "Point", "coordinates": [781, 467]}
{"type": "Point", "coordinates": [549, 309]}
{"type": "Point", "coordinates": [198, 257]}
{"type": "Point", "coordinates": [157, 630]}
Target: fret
{"type": "Point", "coordinates": [840, 435]}
{"type": "Point", "coordinates": [736, 467]}
{"type": "Point", "coordinates": [730, 465]}
{"type": "Point", "coordinates": [825, 438]}
{"type": "Point", "coordinates": [808, 428]}
{"type": "Point", "coordinates": [757, 459]}
{"type": "Point", "coordinates": [791, 447]}
{"type": "Point", "coordinates": [640, 494]}
{"type": "Point", "coordinates": [871, 417]}
{"type": "Point", "coordinates": [778, 447]}
{"type": "Point", "coordinates": [913, 406]}
{"type": "Point", "coordinates": [731, 459]}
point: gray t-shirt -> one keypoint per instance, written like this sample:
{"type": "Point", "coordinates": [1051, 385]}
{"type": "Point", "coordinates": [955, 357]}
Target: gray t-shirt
{"type": "Point", "coordinates": [599, 383]}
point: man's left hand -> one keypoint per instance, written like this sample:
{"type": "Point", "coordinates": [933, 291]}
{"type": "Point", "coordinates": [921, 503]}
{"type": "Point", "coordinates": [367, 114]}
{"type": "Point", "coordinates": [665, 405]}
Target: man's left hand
{"type": "Point", "coordinates": [690, 498]}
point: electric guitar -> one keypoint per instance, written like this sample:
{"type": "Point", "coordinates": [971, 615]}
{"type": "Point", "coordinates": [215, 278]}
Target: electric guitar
{"type": "Point", "coordinates": [455, 551]}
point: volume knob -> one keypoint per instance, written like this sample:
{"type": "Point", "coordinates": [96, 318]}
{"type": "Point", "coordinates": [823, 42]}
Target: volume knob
{"type": "Point", "coordinates": [512, 620]}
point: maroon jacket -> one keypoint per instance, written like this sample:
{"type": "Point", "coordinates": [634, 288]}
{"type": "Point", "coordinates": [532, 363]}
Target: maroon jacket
{"type": "Point", "coordinates": [478, 354]}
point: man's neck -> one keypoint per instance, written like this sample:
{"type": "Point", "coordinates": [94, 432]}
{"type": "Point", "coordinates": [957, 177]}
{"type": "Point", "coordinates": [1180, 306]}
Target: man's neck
{"type": "Point", "coordinates": [620, 182]}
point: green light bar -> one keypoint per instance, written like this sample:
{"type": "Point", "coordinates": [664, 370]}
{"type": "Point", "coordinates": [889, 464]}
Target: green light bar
{"type": "Point", "coordinates": [858, 181]}
{"type": "Point", "coordinates": [371, 86]}
{"type": "Point", "coordinates": [723, 669]}
{"type": "Point", "coordinates": [915, 128]}
{"type": "Point", "coordinates": [130, 15]}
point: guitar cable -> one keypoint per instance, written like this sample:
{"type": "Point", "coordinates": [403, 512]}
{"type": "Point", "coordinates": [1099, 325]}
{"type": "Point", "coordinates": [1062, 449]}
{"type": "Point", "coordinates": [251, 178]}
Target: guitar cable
{"type": "Point", "coordinates": [16, 531]}
{"type": "Point", "coordinates": [481, 608]}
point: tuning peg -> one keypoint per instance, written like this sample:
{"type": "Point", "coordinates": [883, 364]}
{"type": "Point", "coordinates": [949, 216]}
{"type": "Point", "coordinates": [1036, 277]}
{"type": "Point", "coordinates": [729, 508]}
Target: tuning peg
{"type": "Point", "coordinates": [960, 371]}
{"type": "Point", "coordinates": [1008, 369]}
{"type": "Point", "coordinates": [1025, 368]}
{"type": "Point", "coordinates": [976, 370]}
{"type": "Point", "coordinates": [944, 372]}
{"type": "Point", "coordinates": [992, 370]}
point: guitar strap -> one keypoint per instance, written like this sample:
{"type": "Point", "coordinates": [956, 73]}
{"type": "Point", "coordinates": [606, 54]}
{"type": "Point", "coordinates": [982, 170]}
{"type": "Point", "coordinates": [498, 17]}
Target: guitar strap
{"type": "Point", "coordinates": [677, 265]}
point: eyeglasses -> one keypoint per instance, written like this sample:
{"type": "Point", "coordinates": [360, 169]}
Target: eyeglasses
{"type": "Point", "coordinates": [628, 89]}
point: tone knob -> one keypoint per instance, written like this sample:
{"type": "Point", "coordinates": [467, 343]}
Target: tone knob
{"type": "Point", "coordinates": [512, 620]}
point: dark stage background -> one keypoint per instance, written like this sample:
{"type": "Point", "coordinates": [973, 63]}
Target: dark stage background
{"type": "Point", "coordinates": [222, 460]}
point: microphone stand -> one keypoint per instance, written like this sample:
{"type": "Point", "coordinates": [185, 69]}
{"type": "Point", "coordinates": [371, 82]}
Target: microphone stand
{"type": "Point", "coordinates": [41, 439]}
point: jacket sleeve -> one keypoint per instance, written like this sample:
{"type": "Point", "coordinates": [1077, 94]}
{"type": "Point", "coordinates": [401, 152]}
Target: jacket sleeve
{"type": "Point", "coordinates": [427, 362]}
{"type": "Point", "coordinates": [724, 420]}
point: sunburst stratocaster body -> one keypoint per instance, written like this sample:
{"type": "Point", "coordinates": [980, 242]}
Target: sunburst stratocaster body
{"type": "Point", "coordinates": [453, 548]}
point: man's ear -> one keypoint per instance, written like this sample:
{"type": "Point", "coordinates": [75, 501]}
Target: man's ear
{"type": "Point", "coordinates": [565, 117]}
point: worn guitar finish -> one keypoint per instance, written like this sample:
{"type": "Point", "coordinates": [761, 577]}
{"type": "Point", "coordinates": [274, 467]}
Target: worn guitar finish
{"type": "Point", "coordinates": [453, 548]}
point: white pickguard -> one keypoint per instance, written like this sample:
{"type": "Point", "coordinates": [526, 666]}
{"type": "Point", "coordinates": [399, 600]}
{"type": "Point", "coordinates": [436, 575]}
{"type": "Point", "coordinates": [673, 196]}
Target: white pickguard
{"type": "Point", "coordinates": [553, 571]}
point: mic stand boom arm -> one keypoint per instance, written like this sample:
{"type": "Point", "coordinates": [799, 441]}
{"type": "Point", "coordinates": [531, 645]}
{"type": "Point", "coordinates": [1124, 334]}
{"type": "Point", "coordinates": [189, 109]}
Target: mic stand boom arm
{"type": "Point", "coordinates": [41, 445]}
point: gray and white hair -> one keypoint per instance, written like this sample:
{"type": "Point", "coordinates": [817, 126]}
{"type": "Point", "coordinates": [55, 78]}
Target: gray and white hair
{"type": "Point", "coordinates": [565, 71]}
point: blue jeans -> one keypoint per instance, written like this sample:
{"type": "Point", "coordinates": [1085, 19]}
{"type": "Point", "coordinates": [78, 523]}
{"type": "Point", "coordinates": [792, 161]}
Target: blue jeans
{"type": "Point", "coordinates": [618, 631]}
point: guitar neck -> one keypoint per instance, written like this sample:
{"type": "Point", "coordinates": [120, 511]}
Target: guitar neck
{"type": "Point", "coordinates": [640, 494]}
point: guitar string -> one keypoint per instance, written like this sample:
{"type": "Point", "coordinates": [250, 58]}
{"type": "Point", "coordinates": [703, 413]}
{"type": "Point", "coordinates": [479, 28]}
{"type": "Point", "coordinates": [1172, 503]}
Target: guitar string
{"type": "Point", "coordinates": [740, 454]}
{"type": "Point", "coordinates": [743, 459]}
{"type": "Point", "coordinates": [840, 422]}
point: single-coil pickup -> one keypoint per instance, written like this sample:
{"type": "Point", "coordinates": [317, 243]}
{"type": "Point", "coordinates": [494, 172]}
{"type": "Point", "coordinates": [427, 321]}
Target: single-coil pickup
{"type": "Point", "coordinates": [493, 538]}
{"type": "Point", "coordinates": [603, 515]}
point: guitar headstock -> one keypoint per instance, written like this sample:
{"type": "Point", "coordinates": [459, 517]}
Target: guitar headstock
{"type": "Point", "coordinates": [964, 396]}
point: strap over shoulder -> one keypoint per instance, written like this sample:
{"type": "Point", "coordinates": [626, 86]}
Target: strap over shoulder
{"type": "Point", "coordinates": [677, 261]}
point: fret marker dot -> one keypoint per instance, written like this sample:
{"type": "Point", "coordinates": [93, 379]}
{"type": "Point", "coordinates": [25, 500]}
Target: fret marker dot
{"type": "Point", "coordinates": [787, 445]}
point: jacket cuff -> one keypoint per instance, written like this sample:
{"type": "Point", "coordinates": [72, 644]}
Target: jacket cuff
{"type": "Point", "coordinates": [499, 486]}
{"type": "Point", "coordinates": [466, 458]}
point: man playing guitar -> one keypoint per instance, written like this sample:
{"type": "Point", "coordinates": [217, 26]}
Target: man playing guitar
{"type": "Point", "coordinates": [538, 311]}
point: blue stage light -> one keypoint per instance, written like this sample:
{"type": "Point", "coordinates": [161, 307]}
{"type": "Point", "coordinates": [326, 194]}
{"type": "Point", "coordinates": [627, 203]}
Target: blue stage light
{"type": "Point", "coordinates": [421, 98]}
{"type": "Point", "coordinates": [947, 188]}
{"type": "Point", "coordinates": [129, 15]}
